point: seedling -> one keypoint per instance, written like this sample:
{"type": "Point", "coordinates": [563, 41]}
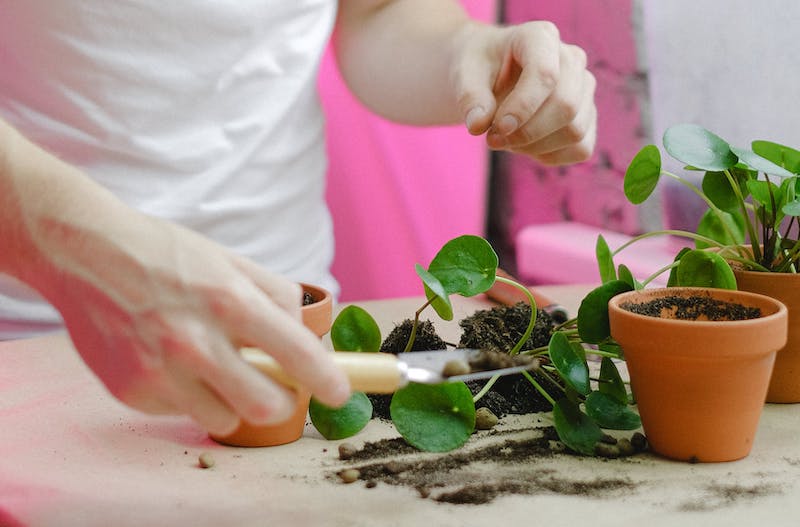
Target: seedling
{"type": "Point", "coordinates": [753, 207]}
{"type": "Point", "coordinates": [442, 417]}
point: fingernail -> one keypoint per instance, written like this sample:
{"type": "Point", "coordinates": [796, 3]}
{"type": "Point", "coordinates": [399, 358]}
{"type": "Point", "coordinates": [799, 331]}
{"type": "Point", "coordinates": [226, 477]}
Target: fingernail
{"type": "Point", "coordinates": [496, 141]}
{"type": "Point", "coordinates": [507, 124]}
{"type": "Point", "coordinates": [474, 115]}
{"type": "Point", "coordinates": [341, 393]}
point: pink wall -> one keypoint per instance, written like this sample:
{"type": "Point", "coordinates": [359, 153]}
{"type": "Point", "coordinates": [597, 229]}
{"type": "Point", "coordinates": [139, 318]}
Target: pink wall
{"type": "Point", "coordinates": [397, 193]}
{"type": "Point", "coordinates": [589, 193]}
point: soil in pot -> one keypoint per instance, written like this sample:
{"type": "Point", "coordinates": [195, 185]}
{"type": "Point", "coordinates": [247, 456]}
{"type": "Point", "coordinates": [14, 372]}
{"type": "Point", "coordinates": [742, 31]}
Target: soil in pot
{"type": "Point", "coordinates": [692, 308]}
{"type": "Point", "coordinates": [495, 330]}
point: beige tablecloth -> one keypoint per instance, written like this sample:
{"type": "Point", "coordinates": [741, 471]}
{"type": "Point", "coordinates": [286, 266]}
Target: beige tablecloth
{"type": "Point", "coordinates": [72, 455]}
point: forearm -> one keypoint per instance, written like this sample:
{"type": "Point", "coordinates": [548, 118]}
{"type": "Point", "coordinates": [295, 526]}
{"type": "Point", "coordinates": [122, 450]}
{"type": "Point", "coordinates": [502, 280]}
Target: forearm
{"type": "Point", "coordinates": [396, 56]}
{"type": "Point", "coordinates": [46, 207]}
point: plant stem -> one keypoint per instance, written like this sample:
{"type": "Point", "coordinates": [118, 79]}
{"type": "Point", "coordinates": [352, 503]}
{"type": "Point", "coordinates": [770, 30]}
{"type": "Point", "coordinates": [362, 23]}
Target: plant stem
{"type": "Point", "coordinates": [486, 387]}
{"type": "Point", "coordinates": [412, 337]}
{"type": "Point", "coordinates": [539, 388]}
{"type": "Point", "coordinates": [531, 323]}
{"type": "Point", "coordinates": [673, 232]}
{"type": "Point", "coordinates": [745, 216]}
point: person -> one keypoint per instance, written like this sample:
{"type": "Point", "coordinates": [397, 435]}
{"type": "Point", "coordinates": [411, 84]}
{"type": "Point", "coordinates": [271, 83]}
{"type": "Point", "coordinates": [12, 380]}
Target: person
{"type": "Point", "coordinates": [162, 164]}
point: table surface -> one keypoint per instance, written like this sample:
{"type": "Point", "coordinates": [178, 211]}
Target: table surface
{"type": "Point", "coordinates": [70, 454]}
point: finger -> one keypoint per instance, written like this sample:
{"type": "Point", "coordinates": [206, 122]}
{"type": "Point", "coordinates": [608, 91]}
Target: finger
{"type": "Point", "coordinates": [213, 362]}
{"type": "Point", "coordinates": [575, 153]}
{"type": "Point", "coordinates": [288, 295]}
{"type": "Point", "coordinates": [261, 323]}
{"type": "Point", "coordinates": [535, 48]}
{"type": "Point", "coordinates": [251, 394]}
{"type": "Point", "coordinates": [571, 134]}
{"type": "Point", "coordinates": [204, 405]}
{"type": "Point", "coordinates": [473, 81]}
{"type": "Point", "coordinates": [575, 90]}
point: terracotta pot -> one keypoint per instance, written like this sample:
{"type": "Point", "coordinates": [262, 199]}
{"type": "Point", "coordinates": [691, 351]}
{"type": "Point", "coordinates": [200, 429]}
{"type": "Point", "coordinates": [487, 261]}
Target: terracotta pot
{"type": "Point", "coordinates": [785, 384]}
{"type": "Point", "coordinates": [316, 317]}
{"type": "Point", "coordinates": [699, 385]}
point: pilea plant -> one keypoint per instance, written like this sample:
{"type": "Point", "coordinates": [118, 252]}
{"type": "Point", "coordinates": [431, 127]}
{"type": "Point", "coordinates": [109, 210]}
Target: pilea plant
{"type": "Point", "coordinates": [442, 417]}
{"type": "Point", "coordinates": [753, 204]}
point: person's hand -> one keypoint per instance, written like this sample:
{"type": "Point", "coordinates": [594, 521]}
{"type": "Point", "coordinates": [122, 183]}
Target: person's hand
{"type": "Point", "coordinates": [528, 91]}
{"type": "Point", "coordinates": [158, 313]}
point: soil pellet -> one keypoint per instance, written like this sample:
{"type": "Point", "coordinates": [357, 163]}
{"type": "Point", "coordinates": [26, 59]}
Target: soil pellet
{"type": "Point", "coordinates": [347, 451]}
{"type": "Point", "coordinates": [607, 451]}
{"type": "Point", "coordinates": [394, 467]}
{"type": "Point", "coordinates": [639, 442]}
{"type": "Point", "coordinates": [608, 439]}
{"type": "Point", "coordinates": [455, 367]}
{"type": "Point", "coordinates": [206, 460]}
{"type": "Point", "coordinates": [484, 419]}
{"type": "Point", "coordinates": [349, 475]}
{"type": "Point", "coordinates": [371, 484]}
{"type": "Point", "coordinates": [625, 447]}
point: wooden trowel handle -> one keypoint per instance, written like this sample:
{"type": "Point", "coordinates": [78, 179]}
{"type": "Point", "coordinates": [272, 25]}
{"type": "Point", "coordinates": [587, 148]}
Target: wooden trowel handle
{"type": "Point", "coordinates": [368, 372]}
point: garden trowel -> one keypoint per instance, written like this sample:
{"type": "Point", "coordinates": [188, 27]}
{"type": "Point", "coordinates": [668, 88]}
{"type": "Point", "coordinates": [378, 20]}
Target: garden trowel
{"type": "Point", "coordinates": [386, 372]}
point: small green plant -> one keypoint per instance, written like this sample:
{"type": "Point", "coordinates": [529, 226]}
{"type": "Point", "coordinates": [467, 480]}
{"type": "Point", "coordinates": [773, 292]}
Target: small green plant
{"type": "Point", "coordinates": [442, 417]}
{"type": "Point", "coordinates": [753, 200]}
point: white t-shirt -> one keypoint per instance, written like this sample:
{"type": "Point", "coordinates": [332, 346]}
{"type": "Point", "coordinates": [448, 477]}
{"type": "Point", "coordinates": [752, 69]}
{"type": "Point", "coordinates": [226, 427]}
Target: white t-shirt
{"type": "Point", "coordinates": [203, 112]}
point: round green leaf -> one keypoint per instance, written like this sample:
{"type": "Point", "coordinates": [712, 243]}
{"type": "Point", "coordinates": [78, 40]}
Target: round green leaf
{"type": "Point", "coordinates": [626, 276]}
{"type": "Point", "coordinates": [605, 261]}
{"type": "Point", "coordinates": [765, 192]}
{"type": "Point", "coordinates": [466, 265]}
{"type": "Point", "coordinates": [611, 382]}
{"type": "Point", "coordinates": [696, 146]}
{"type": "Point", "coordinates": [355, 330]}
{"type": "Point", "coordinates": [574, 428]}
{"type": "Point", "coordinates": [792, 208]}
{"type": "Point", "coordinates": [718, 189]}
{"type": "Point", "coordinates": [705, 269]}
{"type": "Point", "coordinates": [728, 229]}
{"type": "Point", "coordinates": [641, 177]}
{"type": "Point", "coordinates": [673, 273]}
{"type": "Point", "coordinates": [570, 365]}
{"type": "Point", "coordinates": [758, 163]}
{"type": "Point", "coordinates": [610, 413]}
{"type": "Point", "coordinates": [338, 423]}
{"type": "Point", "coordinates": [781, 155]}
{"type": "Point", "coordinates": [434, 291]}
{"type": "Point", "coordinates": [434, 418]}
{"type": "Point", "coordinates": [593, 325]}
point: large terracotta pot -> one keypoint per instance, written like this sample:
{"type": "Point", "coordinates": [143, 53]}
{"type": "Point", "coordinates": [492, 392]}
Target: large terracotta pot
{"type": "Point", "coordinates": [699, 384]}
{"type": "Point", "coordinates": [785, 384]}
{"type": "Point", "coordinates": [317, 317]}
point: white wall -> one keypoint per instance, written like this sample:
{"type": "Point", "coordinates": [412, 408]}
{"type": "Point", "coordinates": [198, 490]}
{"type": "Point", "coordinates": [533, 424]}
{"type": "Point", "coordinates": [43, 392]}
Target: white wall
{"type": "Point", "coordinates": [732, 66]}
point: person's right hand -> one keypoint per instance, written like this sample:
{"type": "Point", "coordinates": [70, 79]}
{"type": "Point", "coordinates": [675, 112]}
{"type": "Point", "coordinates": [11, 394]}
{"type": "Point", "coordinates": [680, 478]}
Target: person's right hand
{"type": "Point", "coordinates": [158, 312]}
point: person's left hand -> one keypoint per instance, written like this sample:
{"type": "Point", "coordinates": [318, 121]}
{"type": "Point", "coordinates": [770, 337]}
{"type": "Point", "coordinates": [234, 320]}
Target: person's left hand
{"type": "Point", "coordinates": [527, 90]}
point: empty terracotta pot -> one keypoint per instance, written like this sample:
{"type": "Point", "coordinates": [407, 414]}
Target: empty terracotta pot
{"type": "Point", "coordinates": [785, 384]}
{"type": "Point", "coordinates": [700, 384]}
{"type": "Point", "coordinates": [318, 318]}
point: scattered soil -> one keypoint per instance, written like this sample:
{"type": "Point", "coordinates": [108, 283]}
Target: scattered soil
{"type": "Point", "coordinates": [693, 308]}
{"type": "Point", "coordinates": [718, 495]}
{"type": "Point", "coordinates": [441, 477]}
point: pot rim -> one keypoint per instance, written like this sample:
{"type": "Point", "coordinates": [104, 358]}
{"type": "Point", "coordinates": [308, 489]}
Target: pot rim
{"type": "Point", "coordinates": [728, 295]}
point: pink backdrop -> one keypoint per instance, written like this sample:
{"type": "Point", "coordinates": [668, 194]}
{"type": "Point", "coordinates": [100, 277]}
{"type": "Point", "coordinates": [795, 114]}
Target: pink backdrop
{"type": "Point", "coordinates": [397, 193]}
